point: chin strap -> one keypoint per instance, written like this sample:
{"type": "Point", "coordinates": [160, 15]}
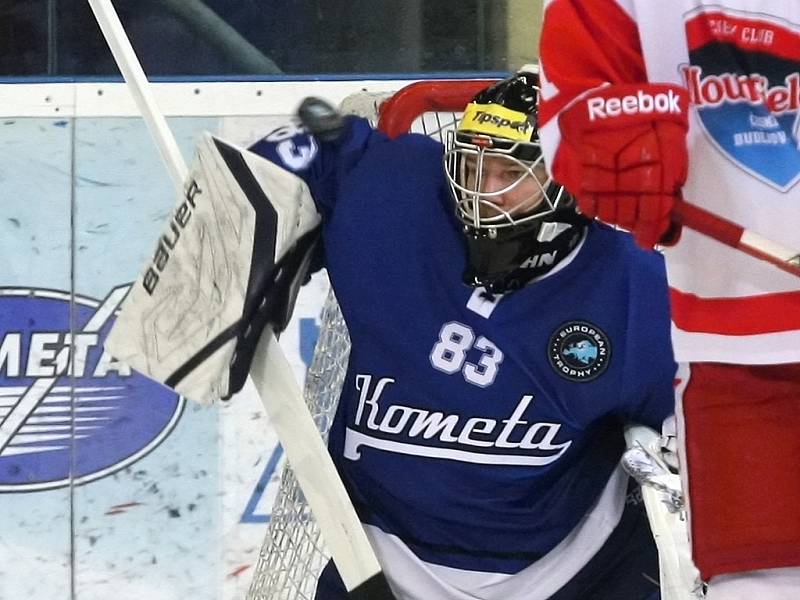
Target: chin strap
{"type": "Point", "coordinates": [548, 255]}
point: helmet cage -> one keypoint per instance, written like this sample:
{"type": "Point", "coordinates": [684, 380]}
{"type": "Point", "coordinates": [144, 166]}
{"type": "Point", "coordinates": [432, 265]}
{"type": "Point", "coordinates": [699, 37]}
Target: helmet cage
{"type": "Point", "coordinates": [477, 209]}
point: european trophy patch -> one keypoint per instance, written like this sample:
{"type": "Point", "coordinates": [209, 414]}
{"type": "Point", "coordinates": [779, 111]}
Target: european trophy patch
{"type": "Point", "coordinates": [579, 351]}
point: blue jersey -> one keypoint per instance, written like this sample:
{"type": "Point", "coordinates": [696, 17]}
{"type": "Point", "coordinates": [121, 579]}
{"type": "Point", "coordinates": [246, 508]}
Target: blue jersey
{"type": "Point", "coordinates": [479, 432]}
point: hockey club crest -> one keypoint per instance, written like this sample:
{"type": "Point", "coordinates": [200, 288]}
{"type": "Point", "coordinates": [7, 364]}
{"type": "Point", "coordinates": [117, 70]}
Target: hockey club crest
{"type": "Point", "coordinates": [744, 114]}
{"type": "Point", "coordinates": [70, 417]}
{"type": "Point", "coordinates": [579, 351]}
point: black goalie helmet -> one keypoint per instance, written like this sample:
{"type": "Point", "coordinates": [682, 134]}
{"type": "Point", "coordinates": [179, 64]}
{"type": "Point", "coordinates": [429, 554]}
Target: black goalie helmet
{"type": "Point", "coordinates": [518, 222]}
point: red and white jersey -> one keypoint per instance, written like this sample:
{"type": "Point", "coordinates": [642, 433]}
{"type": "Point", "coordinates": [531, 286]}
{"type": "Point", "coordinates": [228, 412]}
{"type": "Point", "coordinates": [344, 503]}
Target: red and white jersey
{"type": "Point", "coordinates": [740, 61]}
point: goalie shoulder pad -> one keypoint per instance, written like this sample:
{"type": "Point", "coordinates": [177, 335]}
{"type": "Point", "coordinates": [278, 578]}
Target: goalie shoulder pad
{"type": "Point", "coordinates": [230, 262]}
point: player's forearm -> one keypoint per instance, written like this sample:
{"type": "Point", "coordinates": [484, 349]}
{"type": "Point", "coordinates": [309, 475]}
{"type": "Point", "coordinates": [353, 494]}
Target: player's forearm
{"type": "Point", "coordinates": [585, 45]}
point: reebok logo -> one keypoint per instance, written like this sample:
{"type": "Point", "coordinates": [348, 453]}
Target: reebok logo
{"type": "Point", "coordinates": [634, 104]}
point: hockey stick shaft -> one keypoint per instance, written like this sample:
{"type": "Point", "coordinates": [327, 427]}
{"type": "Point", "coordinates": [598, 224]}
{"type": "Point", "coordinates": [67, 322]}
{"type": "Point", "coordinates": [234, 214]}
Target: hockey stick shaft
{"type": "Point", "coordinates": [271, 372]}
{"type": "Point", "coordinates": [134, 76]}
{"type": "Point", "coordinates": [736, 236]}
{"type": "Point", "coordinates": [314, 469]}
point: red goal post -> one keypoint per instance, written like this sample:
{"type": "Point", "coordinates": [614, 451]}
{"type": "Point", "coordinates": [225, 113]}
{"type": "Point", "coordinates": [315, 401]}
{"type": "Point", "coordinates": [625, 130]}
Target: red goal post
{"type": "Point", "coordinates": [399, 112]}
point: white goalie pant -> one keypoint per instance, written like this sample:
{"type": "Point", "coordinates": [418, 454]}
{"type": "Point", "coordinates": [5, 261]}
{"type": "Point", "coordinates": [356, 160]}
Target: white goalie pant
{"type": "Point", "coordinates": [766, 584]}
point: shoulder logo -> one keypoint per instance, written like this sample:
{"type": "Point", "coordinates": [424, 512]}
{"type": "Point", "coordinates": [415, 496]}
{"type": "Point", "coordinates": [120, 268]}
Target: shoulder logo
{"type": "Point", "coordinates": [751, 115]}
{"type": "Point", "coordinates": [579, 351]}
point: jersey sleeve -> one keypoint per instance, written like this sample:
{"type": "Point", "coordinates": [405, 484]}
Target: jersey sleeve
{"type": "Point", "coordinates": [322, 165]}
{"type": "Point", "coordinates": [583, 46]}
{"type": "Point", "coordinates": [650, 366]}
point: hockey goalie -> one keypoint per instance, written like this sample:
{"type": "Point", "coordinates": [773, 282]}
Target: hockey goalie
{"type": "Point", "coordinates": [501, 341]}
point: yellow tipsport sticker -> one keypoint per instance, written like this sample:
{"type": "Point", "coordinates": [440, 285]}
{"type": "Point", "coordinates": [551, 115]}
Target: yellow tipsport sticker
{"type": "Point", "coordinates": [496, 120]}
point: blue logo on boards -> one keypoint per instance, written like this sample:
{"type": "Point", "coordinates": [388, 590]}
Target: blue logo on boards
{"type": "Point", "coordinates": [579, 351]}
{"type": "Point", "coordinates": [71, 417]}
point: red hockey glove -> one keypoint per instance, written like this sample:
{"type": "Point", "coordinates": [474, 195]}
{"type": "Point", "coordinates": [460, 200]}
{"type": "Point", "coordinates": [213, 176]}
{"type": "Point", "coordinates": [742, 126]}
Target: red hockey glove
{"type": "Point", "coordinates": [626, 156]}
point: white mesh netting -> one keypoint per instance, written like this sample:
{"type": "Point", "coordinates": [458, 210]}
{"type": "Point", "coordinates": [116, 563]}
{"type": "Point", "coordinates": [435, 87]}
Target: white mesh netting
{"type": "Point", "coordinates": [294, 553]}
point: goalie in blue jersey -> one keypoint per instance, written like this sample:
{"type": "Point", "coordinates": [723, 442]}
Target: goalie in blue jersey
{"type": "Point", "coordinates": [500, 344]}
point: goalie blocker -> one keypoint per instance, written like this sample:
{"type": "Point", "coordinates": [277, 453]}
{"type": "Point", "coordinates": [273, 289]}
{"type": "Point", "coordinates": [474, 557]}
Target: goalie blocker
{"type": "Point", "coordinates": [230, 262]}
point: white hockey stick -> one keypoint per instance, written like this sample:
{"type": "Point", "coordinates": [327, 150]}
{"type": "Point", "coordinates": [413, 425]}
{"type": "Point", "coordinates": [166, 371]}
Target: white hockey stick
{"type": "Point", "coordinates": [270, 372]}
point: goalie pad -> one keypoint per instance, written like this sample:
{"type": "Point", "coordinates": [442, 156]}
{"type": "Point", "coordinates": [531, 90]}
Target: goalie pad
{"type": "Point", "coordinates": [230, 262]}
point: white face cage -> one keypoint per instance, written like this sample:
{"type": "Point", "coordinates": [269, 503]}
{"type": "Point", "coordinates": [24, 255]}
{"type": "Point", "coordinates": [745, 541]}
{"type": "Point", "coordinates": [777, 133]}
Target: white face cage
{"type": "Point", "coordinates": [465, 164]}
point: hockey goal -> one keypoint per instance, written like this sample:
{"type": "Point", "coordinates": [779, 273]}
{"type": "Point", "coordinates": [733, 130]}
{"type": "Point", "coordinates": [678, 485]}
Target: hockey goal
{"type": "Point", "coordinates": [293, 553]}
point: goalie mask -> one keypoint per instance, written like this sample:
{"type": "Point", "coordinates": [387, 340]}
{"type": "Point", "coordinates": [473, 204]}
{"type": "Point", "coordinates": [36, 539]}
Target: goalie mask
{"type": "Point", "coordinates": [518, 222]}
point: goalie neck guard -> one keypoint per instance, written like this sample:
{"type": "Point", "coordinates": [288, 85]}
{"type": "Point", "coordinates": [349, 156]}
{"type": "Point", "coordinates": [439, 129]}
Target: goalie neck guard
{"type": "Point", "coordinates": [518, 223]}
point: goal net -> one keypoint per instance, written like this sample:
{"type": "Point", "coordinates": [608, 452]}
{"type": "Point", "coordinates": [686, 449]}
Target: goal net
{"type": "Point", "coordinates": [293, 553]}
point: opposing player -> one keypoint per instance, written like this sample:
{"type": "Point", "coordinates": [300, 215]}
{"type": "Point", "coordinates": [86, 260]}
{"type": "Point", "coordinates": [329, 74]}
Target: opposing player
{"type": "Point", "coordinates": [644, 102]}
{"type": "Point", "coordinates": [500, 343]}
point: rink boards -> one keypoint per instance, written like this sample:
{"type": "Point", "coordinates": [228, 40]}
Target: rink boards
{"type": "Point", "coordinates": [112, 486]}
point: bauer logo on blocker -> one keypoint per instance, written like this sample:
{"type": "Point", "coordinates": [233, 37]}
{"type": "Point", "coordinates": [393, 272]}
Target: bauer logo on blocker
{"type": "Point", "coordinates": [579, 351]}
{"type": "Point", "coordinates": [70, 419]}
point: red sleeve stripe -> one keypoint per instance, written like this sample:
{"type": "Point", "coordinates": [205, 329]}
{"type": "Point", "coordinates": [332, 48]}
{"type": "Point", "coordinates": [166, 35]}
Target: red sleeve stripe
{"type": "Point", "coordinates": [753, 315]}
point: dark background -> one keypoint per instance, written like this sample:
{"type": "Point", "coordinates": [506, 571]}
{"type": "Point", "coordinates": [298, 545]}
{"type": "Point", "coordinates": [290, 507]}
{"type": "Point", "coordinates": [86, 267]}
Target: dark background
{"type": "Point", "coordinates": [256, 38]}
